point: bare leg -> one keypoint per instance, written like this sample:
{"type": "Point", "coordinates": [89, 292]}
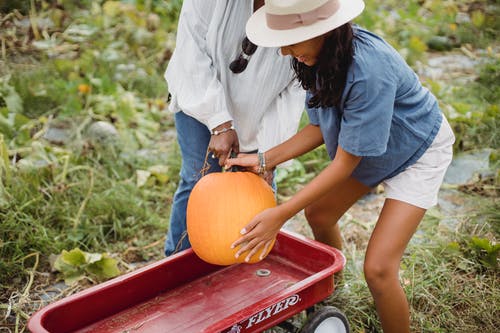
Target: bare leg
{"type": "Point", "coordinates": [395, 227]}
{"type": "Point", "coordinates": [324, 214]}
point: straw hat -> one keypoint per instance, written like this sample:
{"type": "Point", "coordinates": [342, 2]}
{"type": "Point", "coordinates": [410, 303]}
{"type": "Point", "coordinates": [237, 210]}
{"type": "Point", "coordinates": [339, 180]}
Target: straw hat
{"type": "Point", "coordinates": [285, 22]}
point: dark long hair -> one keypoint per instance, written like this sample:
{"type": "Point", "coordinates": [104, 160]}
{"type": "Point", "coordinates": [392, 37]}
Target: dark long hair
{"type": "Point", "coordinates": [327, 78]}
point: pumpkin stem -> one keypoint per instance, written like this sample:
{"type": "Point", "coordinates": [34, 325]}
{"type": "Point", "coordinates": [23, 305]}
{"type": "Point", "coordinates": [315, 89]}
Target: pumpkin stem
{"type": "Point", "coordinates": [179, 243]}
{"type": "Point", "coordinates": [206, 165]}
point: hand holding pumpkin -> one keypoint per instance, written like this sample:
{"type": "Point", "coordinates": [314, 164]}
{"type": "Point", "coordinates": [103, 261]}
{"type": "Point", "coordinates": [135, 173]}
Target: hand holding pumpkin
{"type": "Point", "coordinates": [223, 144]}
{"type": "Point", "coordinates": [249, 161]}
{"type": "Point", "coordinates": [259, 233]}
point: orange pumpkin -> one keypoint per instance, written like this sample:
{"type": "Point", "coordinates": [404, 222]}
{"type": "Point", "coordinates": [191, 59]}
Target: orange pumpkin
{"type": "Point", "coordinates": [219, 206]}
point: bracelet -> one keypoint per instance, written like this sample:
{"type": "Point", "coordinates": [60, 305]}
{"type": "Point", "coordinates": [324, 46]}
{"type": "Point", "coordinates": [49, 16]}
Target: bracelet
{"type": "Point", "coordinates": [224, 130]}
{"type": "Point", "coordinates": [262, 163]}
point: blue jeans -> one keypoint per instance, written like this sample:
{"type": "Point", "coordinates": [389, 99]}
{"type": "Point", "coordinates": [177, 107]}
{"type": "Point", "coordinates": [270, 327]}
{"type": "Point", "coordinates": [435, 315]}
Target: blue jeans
{"type": "Point", "coordinates": [193, 138]}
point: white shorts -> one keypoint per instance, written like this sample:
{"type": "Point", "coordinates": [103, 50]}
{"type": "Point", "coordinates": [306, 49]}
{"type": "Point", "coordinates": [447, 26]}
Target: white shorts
{"type": "Point", "coordinates": [419, 184]}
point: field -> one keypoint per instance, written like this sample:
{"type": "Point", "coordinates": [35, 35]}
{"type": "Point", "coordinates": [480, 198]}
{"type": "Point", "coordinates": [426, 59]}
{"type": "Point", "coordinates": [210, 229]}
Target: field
{"type": "Point", "coordinates": [89, 161]}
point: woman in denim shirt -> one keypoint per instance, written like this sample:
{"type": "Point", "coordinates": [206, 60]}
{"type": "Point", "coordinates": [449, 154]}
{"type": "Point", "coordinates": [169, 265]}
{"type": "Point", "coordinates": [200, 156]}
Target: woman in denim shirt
{"type": "Point", "coordinates": [379, 125]}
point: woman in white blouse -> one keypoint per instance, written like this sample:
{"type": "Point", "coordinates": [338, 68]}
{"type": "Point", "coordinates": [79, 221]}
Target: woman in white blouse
{"type": "Point", "coordinates": [227, 95]}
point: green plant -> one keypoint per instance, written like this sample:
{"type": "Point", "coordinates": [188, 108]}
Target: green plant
{"type": "Point", "coordinates": [114, 197]}
{"type": "Point", "coordinates": [483, 251]}
{"type": "Point", "coordinates": [76, 264]}
{"type": "Point", "coordinates": [488, 79]}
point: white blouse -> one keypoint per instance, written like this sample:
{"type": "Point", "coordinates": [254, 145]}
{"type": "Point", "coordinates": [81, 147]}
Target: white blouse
{"type": "Point", "coordinates": [264, 102]}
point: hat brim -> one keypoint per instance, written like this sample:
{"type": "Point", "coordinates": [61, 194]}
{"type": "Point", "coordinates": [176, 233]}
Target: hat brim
{"type": "Point", "coordinates": [260, 34]}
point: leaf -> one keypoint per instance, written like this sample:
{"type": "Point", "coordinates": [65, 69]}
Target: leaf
{"type": "Point", "coordinates": [4, 200]}
{"type": "Point", "coordinates": [105, 268]}
{"type": "Point", "coordinates": [10, 96]}
{"type": "Point", "coordinates": [487, 251]}
{"type": "Point", "coordinates": [453, 247]}
{"type": "Point", "coordinates": [71, 274]}
{"type": "Point", "coordinates": [417, 45]}
{"type": "Point", "coordinates": [160, 172]}
{"type": "Point", "coordinates": [4, 161]}
{"type": "Point", "coordinates": [481, 243]}
{"type": "Point", "coordinates": [111, 8]}
{"type": "Point", "coordinates": [79, 32]}
{"type": "Point", "coordinates": [20, 120]}
{"type": "Point", "coordinates": [478, 18]}
{"type": "Point", "coordinates": [6, 126]}
{"type": "Point", "coordinates": [142, 139]}
{"type": "Point", "coordinates": [73, 278]}
{"type": "Point", "coordinates": [491, 259]}
{"type": "Point", "coordinates": [74, 265]}
{"type": "Point", "coordinates": [142, 177]}
{"type": "Point", "coordinates": [91, 258]}
{"type": "Point", "coordinates": [75, 257]}
{"type": "Point", "coordinates": [463, 266]}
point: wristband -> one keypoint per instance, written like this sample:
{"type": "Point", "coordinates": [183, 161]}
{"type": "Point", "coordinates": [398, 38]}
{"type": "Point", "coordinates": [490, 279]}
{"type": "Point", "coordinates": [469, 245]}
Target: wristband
{"type": "Point", "coordinates": [262, 163]}
{"type": "Point", "coordinates": [224, 130]}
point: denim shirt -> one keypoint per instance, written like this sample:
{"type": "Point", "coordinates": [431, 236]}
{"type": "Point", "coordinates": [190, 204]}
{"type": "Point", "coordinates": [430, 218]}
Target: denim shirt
{"type": "Point", "coordinates": [386, 116]}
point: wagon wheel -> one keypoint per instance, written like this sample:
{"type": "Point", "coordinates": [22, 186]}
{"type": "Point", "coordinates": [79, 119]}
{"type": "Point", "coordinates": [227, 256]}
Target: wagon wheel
{"type": "Point", "coordinates": [328, 319]}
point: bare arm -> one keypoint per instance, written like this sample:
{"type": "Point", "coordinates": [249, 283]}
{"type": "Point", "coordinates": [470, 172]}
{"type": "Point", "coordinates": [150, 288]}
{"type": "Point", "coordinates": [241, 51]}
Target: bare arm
{"type": "Point", "coordinates": [337, 171]}
{"type": "Point", "coordinates": [303, 141]}
{"type": "Point", "coordinates": [263, 228]}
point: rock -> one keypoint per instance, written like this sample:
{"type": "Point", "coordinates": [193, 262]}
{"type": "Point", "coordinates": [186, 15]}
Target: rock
{"type": "Point", "coordinates": [462, 18]}
{"type": "Point", "coordinates": [450, 66]}
{"type": "Point", "coordinates": [57, 135]}
{"type": "Point", "coordinates": [439, 43]}
{"type": "Point", "coordinates": [466, 167]}
{"type": "Point", "coordinates": [102, 132]}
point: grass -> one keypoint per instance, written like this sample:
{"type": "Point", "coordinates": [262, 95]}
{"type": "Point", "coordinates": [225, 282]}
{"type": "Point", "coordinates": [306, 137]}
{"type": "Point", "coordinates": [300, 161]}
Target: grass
{"type": "Point", "coordinates": [94, 207]}
{"type": "Point", "coordinates": [104, 62]}
{"type": "Point", "coordinates": [448, 289]}
{"type": "Point", "coordinates": [83, 192]}
{"type": "Point", "coordinates": [449, 285]}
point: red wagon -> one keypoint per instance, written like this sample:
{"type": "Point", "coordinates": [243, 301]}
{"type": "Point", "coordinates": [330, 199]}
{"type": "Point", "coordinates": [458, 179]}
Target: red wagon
{"type": "Point", "coordinates": [184, 294]}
